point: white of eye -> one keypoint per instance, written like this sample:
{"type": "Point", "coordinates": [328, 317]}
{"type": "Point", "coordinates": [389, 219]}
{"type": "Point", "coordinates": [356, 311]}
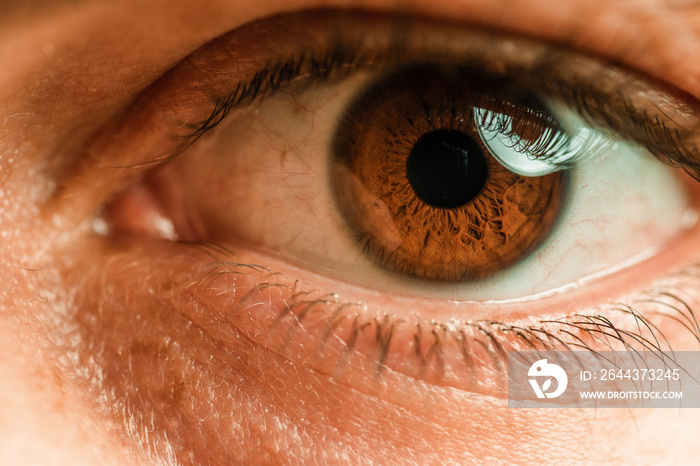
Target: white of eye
{"type": "Point", "coordinates": [624, 207]}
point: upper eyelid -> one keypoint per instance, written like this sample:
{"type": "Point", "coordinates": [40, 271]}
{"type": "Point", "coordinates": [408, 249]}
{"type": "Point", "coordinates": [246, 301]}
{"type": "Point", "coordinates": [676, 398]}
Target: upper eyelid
{"type": "Point", "coordinates": [665, 119]}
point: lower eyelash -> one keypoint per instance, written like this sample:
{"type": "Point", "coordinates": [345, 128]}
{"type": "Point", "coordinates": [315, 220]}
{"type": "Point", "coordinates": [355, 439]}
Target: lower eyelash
{"type": "Point", "coordinates": [460, 353]}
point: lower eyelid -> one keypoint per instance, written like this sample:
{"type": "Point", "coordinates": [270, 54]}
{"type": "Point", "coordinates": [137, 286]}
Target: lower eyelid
{"type": "Point", "coordinates": [326, 332]}
{"type": "Point", "coordinates": [164, 331]}
{"type": "Point", "coordinates": [217, 300]}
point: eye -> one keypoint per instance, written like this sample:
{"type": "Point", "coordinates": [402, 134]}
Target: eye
{"type": "Point", "coordinates": [336, 168]}
{"type": "Point", "coordinates": [415, 178]}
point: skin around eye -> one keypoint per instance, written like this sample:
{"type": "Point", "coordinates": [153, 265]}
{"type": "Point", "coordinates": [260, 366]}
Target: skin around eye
{"type": "Point", "coordinates": [179, 349]}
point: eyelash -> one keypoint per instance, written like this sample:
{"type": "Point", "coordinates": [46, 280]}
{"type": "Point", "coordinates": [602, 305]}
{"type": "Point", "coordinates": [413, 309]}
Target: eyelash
{"type": "Point", "coordinates": [273, 77]}
{"type": "Point", "coordinates": [615, 324]}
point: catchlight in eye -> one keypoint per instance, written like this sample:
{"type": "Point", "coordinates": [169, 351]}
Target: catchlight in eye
{"type": "Point", "coordinates": [561, 151]}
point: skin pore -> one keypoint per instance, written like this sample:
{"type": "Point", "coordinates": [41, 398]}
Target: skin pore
{"type": "Point", "coordinates": [115, 351]}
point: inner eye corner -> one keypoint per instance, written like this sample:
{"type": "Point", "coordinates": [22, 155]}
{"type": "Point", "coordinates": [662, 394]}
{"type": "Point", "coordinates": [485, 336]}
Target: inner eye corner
{"type": "Point", "coordinates": [143, 209]}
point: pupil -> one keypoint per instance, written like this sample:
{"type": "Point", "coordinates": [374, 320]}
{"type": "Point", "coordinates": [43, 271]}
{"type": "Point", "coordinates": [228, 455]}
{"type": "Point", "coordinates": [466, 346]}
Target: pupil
{"type": "Point", "coordinates": [446, 168]}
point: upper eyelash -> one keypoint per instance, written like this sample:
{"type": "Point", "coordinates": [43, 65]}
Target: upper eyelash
{"type": "Point", "coordinates": [339, 61]}
{"type": "Point", "coordinates": [344, 56]}
{"type": "Point", "coordinates": [664, 142]}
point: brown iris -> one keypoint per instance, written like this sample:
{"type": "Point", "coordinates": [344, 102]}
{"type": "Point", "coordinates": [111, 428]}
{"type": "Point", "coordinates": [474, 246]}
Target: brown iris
{"type": "Point", "coordinates": [416, 183]}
